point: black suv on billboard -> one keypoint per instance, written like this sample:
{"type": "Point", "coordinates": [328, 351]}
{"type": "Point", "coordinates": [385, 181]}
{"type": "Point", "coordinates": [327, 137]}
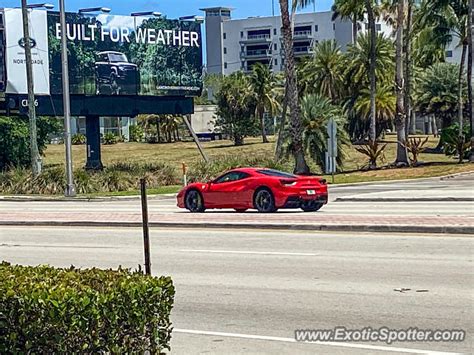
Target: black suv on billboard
{"type": "Point", "coordinates": [115, 75]}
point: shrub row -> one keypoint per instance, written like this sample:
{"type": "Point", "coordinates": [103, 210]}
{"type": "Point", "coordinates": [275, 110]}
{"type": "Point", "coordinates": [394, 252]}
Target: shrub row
{"type": "Point", "coordinates": [124, 176]}
{"type": "Point", "coordinates": [116, 177]}
{"type": "Point", "coordinates": [49, 310]}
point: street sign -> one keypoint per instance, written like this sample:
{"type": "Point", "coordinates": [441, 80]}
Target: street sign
{"type": "Point", "coordinates": [331, 153]}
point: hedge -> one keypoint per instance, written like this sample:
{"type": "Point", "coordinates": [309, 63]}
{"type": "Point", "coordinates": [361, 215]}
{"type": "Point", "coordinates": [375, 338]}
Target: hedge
{"type": "Point", "coordinates": [49, 310]}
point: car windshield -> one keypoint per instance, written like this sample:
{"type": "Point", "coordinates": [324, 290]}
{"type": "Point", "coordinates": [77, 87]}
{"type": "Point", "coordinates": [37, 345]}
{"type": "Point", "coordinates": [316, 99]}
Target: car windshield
{"type": "Point", "coordinates": [276, 173]}
{"type": "Point", "coordinates": [117, 57]}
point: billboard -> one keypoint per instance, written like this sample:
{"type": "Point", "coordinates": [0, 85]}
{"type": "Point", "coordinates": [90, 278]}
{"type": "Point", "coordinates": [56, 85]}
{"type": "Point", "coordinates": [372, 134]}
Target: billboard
{"type": "Point", "coordinates": [108, 55]}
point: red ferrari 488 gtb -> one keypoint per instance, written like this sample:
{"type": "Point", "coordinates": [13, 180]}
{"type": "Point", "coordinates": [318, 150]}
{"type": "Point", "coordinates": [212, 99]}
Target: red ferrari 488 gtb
{"type": "Point", "coordinates": [265, 190]}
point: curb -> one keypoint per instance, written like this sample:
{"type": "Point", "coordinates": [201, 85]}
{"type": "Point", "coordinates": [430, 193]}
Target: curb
{"type": "Point", "coordinates": [268, 226]}
{"type": "Point", "coordinates": [82, 199]}
{"type": "Point", "coordinates": [404, 199]}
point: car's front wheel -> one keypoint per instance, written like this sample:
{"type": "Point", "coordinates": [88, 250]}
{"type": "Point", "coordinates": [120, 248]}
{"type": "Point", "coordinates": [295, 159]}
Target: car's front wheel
{"type": "Point", "coordinates": [264, 201]}
{"type": "Point", "coordinates": [311, 206]}
{"type": "Point", "coordinates": [193, 201]}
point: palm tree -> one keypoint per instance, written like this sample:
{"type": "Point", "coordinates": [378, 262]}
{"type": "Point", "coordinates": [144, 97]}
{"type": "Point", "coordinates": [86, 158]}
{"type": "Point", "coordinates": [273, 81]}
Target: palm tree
{"type": "Point", "coordinates": [357, 78]}
{"type": "Point", "coordinates": [296, 128]}
{"type": "Point", "coordinates": [385, 106]}
{"type": "Point", "coordinates": [372, 66]}
{"type": "Point", "coordinates": [400, 117]}
{"type": "Point", "coordinates": [451, 18]}
{"type": "Point", "coordinates": [316, 111]}
{"type": "Point", "coordinates": [264, 88]}
{"type": "Point", "coordinates": [353, 10]}
{"type": "Point", "coordinates": [469, 77]}
{"type": "Point", "coordinates": [359, 58]}
{"type": "Point", "coordinates": [323, 72]}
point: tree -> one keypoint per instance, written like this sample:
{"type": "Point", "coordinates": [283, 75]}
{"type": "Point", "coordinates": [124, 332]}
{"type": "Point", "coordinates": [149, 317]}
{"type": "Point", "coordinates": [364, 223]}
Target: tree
{"type": "Point", "coordinates": [450, 18]}
{"type": "Point", "coordinates": [353, 10]}
{"type": "Point", "coordinates": [436, 93]}
{"type": "Point", "coordinates": [357, 80]}
{"type": "Point", "coordinates": [400, 117]}
{"type": "Point", "coordinates": [296, 129]}
{"type": "Point", "coordinates": [316, 111]}
{"type": "Point", "coordinates": [15, 139]}
{"type": "Point", "coordinates": [385, 107]}
{"type": "Point", "coordinates": [372, 66]}
{"type": "Point", "coordinates": [322, 73]}
{"type": "Point", "coordinates": [264, 88]}
{"type": "Point", "coordinates": [469, 78]}
{"type": "Point", "coordinates": [235, 107]}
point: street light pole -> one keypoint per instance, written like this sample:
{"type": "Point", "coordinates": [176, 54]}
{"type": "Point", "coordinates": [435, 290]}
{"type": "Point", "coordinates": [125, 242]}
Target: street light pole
{"type": "Point", "coordinates": [70, 188]}
{"type": "Point", "coordinates": [34, 153]}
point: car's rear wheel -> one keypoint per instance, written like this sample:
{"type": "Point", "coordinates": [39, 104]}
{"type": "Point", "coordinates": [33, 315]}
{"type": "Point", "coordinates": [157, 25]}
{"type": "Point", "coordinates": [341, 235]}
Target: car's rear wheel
{"type": "Point", "coordinates": [193, 201]}
{"type": "Point", "coordinates": [311, 206]}
{"type": "Point", "coordinates": [264, 201]}
{"type": "Point", "coordinates": [240, 210]}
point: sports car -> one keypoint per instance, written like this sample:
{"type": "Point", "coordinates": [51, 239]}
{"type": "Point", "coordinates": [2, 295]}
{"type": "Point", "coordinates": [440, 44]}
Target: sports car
{"type": "Point", "coordinates": [265, 190]}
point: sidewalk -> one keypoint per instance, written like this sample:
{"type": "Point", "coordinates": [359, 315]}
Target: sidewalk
{"type": "Point", "coordinates": [251, 220]}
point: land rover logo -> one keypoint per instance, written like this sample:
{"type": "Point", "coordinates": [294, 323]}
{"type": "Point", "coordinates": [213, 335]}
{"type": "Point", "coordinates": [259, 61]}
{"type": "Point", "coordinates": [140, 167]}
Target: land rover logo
{"type": "Point", "coordinates": [22, 43]}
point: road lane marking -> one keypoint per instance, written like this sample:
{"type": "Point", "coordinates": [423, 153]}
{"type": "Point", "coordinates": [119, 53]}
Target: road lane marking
{"type": "Point", "coordinates": [247, 252]}
{"type": "Point", "coordinates": [324, 343]}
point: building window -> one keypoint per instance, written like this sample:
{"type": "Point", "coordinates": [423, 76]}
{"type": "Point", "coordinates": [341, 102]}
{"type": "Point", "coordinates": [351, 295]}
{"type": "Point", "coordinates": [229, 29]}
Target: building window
{"type": "Point", "coordinates": [378, 27]}
{"type": "Point", "coordinates": [275, 46]}
{"type": "Point", "coordinates": [316, 28]}
{"type": "Point", "coordinates": [225, 65]}
{"type": "Point", "coordinates": [275, 61]}
{"type": "Point", "coordinates": [225, 50]}
{"type": "Point", "coordinates": [241, 34]}
{"type": "Point", "coordinates": [334, 26]}
{"type": "Point", "coordinates": [449, 54]}
{"type": "Point", "coordinates": [224, 35]}
{"type": "Point", "coordinates": [274, 31]}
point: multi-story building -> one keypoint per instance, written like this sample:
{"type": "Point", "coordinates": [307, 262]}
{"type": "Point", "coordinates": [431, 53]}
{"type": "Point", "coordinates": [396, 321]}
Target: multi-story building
{"type": "Point", "coordinates": [237, 44]}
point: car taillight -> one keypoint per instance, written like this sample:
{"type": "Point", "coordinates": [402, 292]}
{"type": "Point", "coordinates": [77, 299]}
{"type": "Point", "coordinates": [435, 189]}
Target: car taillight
{"type": "Point", "coordinates": [288, 182]}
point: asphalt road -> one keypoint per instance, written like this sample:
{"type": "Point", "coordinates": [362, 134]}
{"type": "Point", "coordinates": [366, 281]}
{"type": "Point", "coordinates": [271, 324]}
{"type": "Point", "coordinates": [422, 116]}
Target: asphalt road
{"type": "Point", "coordinates": [247, 291]}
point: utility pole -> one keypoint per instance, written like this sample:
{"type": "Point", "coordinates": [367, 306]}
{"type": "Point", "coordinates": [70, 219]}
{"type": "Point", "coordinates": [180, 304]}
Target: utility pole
{"type": "Point", "coordinates": [70, 188]}
{"type": "Point", "coordinates": [34, 153]}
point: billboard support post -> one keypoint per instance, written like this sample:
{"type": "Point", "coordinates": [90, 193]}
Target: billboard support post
{"type": "Point", "coordinates": [34, 153]}
{"type": "Point", "coordinates": [70, 188]}
{"type": "Point", "coordinates": [186, 119]}
{"type": "Point", "coordinates": [93, 161]}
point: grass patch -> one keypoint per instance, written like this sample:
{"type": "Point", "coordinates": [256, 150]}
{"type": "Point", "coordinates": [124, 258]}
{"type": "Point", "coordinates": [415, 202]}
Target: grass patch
{"type": "Point", "coordinates": [162, 190]}
{"type": "Point", "coordinates": [160, 164]}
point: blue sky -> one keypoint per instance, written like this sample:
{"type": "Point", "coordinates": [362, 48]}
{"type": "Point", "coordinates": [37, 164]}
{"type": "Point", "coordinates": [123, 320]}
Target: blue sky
{"type": "Point", "coordinates": [174, 8]}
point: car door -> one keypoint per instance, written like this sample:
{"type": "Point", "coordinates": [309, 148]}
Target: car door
{"type": "Point", "coordinates": [224, 191]}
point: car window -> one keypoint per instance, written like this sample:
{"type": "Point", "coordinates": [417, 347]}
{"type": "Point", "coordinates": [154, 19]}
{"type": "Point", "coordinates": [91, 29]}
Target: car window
{"type": "Point", "coordinates": [117, 57]}
{"type": "Point", "coordinates": [231, 176]}
{"type": "Point", "coordinates": [276, 173]}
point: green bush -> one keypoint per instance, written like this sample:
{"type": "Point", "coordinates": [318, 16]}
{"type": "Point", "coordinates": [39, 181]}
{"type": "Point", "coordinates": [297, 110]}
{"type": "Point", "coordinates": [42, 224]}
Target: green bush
{"type": "Point", "coordinates": [78, 139]}
{"type": "Point", "coordinates": [110, 138]}
{"type": "Point", "coordinates": [203, 171]}
{"type": "Point", "coordinates": [15, 141]}
{"type": "Point", "coordinates": [453, 145]}
{"type": "Point", "coordinates": [49, 310]}
{"type": "Point", "coordinates": [123, 176]}
{"type": "Point", "coordinates": [136, 133]}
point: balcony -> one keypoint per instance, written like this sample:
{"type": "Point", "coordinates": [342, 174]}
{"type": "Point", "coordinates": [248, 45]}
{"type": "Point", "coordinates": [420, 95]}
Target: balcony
{"type": "Point", "coordinates": [256, 53]}
{"type": "Point", "coordinates": [302, 51]}
{"type": "Point", "coordinates": [302, 34]}
{"type": "Point", "coordinates": [260, 38]}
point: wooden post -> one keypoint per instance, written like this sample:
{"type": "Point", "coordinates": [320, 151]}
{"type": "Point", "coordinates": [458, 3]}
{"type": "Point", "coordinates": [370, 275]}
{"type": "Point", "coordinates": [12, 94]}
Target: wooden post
{"type": "Point", "coordinates": [146, 230]}
{"type": "Point", "coordinates": [185, 178]}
